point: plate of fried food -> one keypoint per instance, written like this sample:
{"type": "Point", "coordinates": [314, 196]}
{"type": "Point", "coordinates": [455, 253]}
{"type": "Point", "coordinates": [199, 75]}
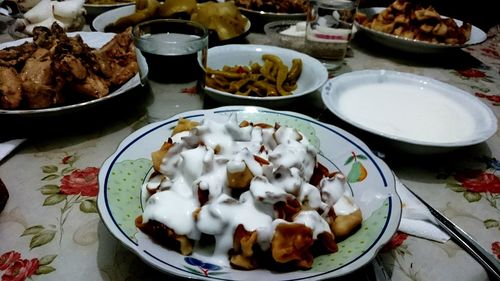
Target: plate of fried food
{"type": "Point", "coordinates": [410, 27]}
{"type": "Point", "coordinates": [56, 72]}
{"type": "Point", "coordinates": [261, 75]}
{"type": "Point", "coordinates": [224, 21]}
{"type": "Point", "coordinates": [248, 193]}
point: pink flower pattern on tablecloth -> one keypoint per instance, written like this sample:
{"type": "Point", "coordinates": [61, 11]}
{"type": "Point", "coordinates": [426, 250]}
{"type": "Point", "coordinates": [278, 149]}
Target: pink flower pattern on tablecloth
{"type": "Point", "coordinates": [495, 249]}
{"type": "Point", "coordinates": [82, 182]}
{"type": "Point", "coordinates": [16, 268]}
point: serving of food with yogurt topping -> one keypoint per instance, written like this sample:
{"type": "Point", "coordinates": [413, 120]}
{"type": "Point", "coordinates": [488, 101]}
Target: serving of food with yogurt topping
{"type": "Point", "coordinates": [254, 192]}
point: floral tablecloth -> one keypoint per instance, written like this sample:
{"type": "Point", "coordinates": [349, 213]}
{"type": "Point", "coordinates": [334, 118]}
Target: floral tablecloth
{"type": "Point", "coordinates": [50, 228]}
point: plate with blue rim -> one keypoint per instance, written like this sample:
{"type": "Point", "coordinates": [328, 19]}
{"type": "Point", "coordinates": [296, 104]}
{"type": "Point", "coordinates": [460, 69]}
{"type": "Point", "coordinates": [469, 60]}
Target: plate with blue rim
{"type": "Point", "coordinates": [126, 170]}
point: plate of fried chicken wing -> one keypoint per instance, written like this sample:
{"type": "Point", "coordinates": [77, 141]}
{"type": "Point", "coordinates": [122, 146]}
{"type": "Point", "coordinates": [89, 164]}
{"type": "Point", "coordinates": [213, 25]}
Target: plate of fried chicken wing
{"type": "Point", "coordinates": [55, 71]}
{"type": "Point", "coordinates": [248, 193]}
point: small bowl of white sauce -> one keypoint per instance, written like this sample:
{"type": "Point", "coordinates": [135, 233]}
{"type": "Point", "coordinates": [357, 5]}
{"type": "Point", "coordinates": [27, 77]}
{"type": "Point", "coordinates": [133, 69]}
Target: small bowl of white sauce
{"type": "Point", "coordinates": [421, 114]}
{"type": "Point", "coordinates": [289, 34]}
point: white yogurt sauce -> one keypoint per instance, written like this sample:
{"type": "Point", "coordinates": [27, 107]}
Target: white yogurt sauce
{"type": "Point", "coordinates": [407, 111]}
{"type": "Point", "coordinates": [192, 163]}
{"type": "Point", "coordinates": [298, 30]}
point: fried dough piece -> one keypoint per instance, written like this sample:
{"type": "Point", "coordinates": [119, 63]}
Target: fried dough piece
{"type": "Point", "coordinates": [243, 254]}
{"type": "Point", "coordinates": [166, 236]}
{"type": "Point", "coordinates": [184, 125]}
{"type": "Point", "coordinates": [239, 180]}
{"type": "Point", "coordinates": [342, 226]}
{"type": "Point", "coordinates": [157, 156]}
{"type": "Point", "coordinates": [291, 244]}
{"type": "Point", "coordinates": [287, 210]}
{"type": "Point", "coordinates": [324, 244]}
{"type": "Point", "coordinates": [10, 88]}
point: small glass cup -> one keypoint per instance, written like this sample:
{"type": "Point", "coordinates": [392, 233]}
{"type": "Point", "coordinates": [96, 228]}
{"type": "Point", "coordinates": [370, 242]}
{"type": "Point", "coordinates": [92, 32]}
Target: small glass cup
{"type": "Point", "coordinates": [175, 50]}
{"type": "Point", "coordinates": [329, 27]}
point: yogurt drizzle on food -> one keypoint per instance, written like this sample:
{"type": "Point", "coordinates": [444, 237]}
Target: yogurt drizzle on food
{"type": "Point", "coordinates": [202, 159]}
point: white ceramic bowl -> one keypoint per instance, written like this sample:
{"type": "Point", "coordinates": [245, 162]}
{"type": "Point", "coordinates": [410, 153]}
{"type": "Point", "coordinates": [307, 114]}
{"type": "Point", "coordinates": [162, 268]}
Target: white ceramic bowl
{"type": "Point", "coordinates": [313, 75]}
{"type": "Point", "coordinates": [420, 114]}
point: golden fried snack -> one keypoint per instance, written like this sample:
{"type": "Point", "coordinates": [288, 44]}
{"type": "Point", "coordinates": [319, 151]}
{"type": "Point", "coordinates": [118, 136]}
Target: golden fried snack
{"type": "Point", "coordinates": [239, 179]}
{"type": "Point", "coordinates": [145, 9]}
{"type": "Point", "coordinates": [273, 78]}
{"type": "Point", "coordinates": [157, 156]}
{"type": "Point", "coordinates": [409, 20]}
{"type": "Point", "coordinates": [342, 226]}
{"type": "Point", "coordinates": [242, 255]}
{"type": "Point", "coordinates": [184, 125]}
{"type": "Point", "coordinates": [224, 18]}
{"type": "Point", "coordinates": [291, 244]}
{"type": "Point", "coordinates": [175, 7]}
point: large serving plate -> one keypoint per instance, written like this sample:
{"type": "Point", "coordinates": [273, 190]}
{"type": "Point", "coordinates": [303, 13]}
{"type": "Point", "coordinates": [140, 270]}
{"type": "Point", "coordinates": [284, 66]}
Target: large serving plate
{"type": "Point", "coordinates": [111, 16]}
{"type": "Point", "coordinates": [123, 173]}
{"type": "Point", "coordinates": [412, 45]}
{"type": "Point", "coordinates": [441, 117]}
{"type": "Point", "coordinates": [313, 75]}
{"type": "Point", "coordinates": [94, 40]}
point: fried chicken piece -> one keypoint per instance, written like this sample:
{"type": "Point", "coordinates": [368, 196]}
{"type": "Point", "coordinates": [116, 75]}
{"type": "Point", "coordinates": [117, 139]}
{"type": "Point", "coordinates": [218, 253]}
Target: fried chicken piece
{"type": "Point", "coordinates": [117, 59]}
{"type": "Point", "coordinates": [10, 88]}
{"type": "Point", "coordinates": [72, 67]}
{"type": "Point", "coordinates": [93, 86]}
{"type": "Point", "coordinates": [41, 88]}
{"type": "Point", "coordinates": [16, 55]}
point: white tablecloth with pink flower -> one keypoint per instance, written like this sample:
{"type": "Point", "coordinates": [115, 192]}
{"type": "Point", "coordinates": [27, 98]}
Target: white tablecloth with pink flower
{"type": "Point", "coordinates": [50, 227]}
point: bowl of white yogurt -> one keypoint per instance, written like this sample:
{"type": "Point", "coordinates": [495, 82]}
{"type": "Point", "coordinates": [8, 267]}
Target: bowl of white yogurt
{"type": "Point", "coordinates": [419, 113]}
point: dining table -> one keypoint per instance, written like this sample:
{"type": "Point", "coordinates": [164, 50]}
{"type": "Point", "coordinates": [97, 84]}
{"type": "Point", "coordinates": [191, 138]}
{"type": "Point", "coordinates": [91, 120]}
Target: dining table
{"type": "Point", "coordinates": [50, 227]}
